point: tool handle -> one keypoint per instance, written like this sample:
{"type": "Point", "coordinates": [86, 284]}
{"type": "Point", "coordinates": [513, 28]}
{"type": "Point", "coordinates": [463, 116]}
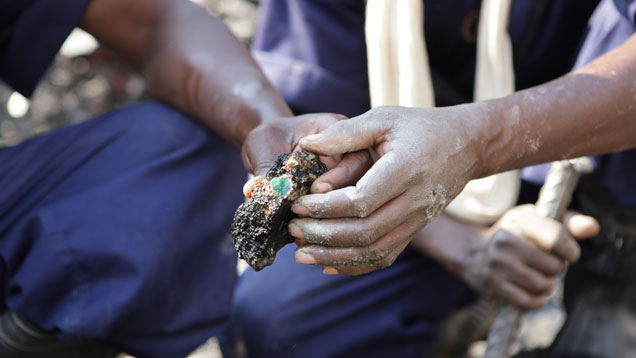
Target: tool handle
{"type": "Point", "coordinates": [556, 192]}
{"type": "Point", "coordinates": [554, 198]}
{"type": "Point", "coordinates": [504, 332]}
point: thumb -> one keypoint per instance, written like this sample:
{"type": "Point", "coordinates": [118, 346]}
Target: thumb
{"type": "Point", "coordinates": [247, 187]}
{"type": "Point", "coordinates": [347, 136]}
{"type": "Point", "coordinates": [581, 226]}
{"type": "Point", "coordinates": [261, 149]}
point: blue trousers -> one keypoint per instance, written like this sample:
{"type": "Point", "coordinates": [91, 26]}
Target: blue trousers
{"type": "Point", "coordinates": [117, 229]}
{"type": "Point", "coordinates": [292, 310]}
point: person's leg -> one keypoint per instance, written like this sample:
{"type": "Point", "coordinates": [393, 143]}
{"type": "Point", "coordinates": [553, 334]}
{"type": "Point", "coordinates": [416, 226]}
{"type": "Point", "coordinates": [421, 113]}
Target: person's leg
{"type": "Point", "coordinates": [292, 310]}
{"type": "Point", "coordinates": [118, 229]}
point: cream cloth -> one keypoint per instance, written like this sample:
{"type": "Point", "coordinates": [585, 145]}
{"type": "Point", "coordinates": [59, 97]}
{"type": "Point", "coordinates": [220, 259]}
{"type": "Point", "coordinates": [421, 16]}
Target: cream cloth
{"type": "Point", "coordinates": [399, 75]}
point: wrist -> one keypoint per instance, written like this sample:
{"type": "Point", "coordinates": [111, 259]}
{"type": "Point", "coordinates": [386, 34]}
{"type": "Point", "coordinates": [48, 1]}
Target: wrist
{"type": "Point", "coordinates": [490, 127]}
{"type": "Point", "coordinates": [261, 104]}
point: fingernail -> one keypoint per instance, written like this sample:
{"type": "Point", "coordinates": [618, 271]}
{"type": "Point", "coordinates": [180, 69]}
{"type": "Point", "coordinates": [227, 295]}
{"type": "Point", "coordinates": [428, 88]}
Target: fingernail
{"type": "Point", "coordinates": [299, 210]}
{"type": "Point", "coordinates": [328, 270]}
{"type": "Point", "coordinates": [303, 258]}
{"type": "Point", "coordinates": [312, 138]}
{"type": "Point", "coordinates": [248, 193]}
{"type": "Point", "coordinates": [295, 230]}
{"type": "Point", "coordinates": [247, 189]}
{"type": "Point", "coordinates": [322, 188]}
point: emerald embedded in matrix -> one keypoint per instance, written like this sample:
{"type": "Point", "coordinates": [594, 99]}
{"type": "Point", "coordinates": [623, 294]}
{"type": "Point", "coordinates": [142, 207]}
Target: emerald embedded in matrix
{"type": "Point", "coordinates": [281, 186]}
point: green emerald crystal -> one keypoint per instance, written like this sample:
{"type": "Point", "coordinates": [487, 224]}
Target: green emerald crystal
{"type": "Point", "coordinates": [281, 186]}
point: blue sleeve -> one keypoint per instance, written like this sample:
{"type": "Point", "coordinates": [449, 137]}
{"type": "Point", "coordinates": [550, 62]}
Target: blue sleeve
{"type": "Point", "coordinates": [31, 33]}
{"type": "Point", "coordinates": [627, 8]}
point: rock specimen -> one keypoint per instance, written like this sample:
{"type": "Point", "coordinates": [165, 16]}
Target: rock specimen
{"type": "Point", "coordinates": [259, 229]}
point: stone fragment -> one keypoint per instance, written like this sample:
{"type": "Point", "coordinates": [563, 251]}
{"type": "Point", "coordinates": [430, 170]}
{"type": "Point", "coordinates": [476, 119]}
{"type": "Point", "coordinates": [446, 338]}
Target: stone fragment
{"type": "Point", "coordinates": [259, 229]}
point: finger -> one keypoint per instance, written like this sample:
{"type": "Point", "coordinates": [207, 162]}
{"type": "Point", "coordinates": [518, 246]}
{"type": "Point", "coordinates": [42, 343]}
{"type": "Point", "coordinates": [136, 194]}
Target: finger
{"type": "Point", "coordinates": [581, 226]}
{"type": "Point", "coordinates": [528, 253]}
{"type": "Point", "coordinates": [347, 172]}
{"type": "Point", "coordinates": [246, 160]}
{"type": "Point", "coordinates": [513, 295]}
{"type": "Point", "coordinates": [376, 187]}
{"type": "Point", "coordinates": [377, 255]}
{"type": "Point", "coordinates": [312, 123]}
{"type": "Point", "coordinates": [359, 269]}
{"type": "Point", "coordinates": [529, 279]}
{"type": "Point", "coordinates": [263, 146]}
{"type": "Point", "coordinates": [347, 136]}
{"type": "Point", "coordinates": [566, 247]}
{"type": "Point", "coordinates": [247, 187]}
{"type": "Point", "coordinates": [552, 236]}
{"type": "Point", "coordinates": [348, 232]}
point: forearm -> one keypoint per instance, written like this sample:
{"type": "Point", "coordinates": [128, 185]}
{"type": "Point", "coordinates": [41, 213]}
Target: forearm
{"type": "Point", "coordinates": [590, 111]}
{"type": "Point", "coordinates": [190, 60]}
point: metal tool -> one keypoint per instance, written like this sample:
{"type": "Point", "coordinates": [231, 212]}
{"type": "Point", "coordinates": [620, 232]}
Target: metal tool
{"type": "Point", "coordinates": [554, 198]}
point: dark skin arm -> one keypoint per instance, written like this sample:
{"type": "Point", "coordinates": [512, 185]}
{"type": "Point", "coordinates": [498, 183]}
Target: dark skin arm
{"type": "Point", "coordinates": [427, 155]}
{"type": "Point", "coordinates": [189, 60]}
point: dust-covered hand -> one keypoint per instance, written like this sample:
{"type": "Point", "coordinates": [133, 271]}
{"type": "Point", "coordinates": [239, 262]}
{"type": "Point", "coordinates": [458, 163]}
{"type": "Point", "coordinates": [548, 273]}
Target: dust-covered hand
{"type": "Point", "coordinates": [273, 138]}
{"type": "Point", "coordinates": [425, 158]}
{"type": "Point", "coordinates": [523, 254]}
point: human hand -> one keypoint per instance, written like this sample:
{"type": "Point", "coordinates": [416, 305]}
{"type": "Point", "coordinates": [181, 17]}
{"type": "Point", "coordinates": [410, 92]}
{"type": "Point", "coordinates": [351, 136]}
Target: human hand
{"type": "Point", "coordinates": [522, 255]}
{"type": "Point", "coordinates": [425, 159]}
{"type": "Point", "coordinates": [273, 138]}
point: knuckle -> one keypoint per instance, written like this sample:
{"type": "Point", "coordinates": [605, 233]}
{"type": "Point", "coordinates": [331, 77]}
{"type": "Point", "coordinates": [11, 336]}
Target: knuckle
{"type": "Point", "coordinates": [501, 241]}
{"type": "Point", "coordinates": [525, 303]}
{"type": "Point", "coordinates": [337, 116]}
{"type": "Point", "coordinates": [366, 237]}
{"type": "Point", "coordinates": [527, 278]}
{"type": "Point", "coordinates": [554, 266]}
{"type": "Point", "coordinates": [547, 285]}
{"type": "Point", "coordinates": [375, 257]}
{"type": "Point", "coordinates": [360, 207]}
{"type": "Point", "coordinates": [361, 159]}
{"type": "Point", "coordinates": [387, 261]}
{"type": "Point", "coordinates": [496, 262]}
{"type": "Point", "coordinates": [537, 302]}
{"type": "Point", "coordinates": [558, 267]}
{"type": "Point", "coordinates": [539, 285]}
{"type": "Point", "coordinates": [522, 300]}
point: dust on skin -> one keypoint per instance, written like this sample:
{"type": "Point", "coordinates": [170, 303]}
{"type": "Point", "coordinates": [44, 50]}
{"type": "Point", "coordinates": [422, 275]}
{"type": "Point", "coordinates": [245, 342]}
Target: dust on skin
{"type": "Point", "coordinates": [438, 200]}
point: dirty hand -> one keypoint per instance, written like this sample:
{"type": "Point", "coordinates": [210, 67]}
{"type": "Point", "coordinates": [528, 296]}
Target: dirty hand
{"type": "Point", "coordinates": [425, 159]}
{"type": "Point", "coordinates": [523, 254]}
{"type": "Point", "coordinates": [271, 139]}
